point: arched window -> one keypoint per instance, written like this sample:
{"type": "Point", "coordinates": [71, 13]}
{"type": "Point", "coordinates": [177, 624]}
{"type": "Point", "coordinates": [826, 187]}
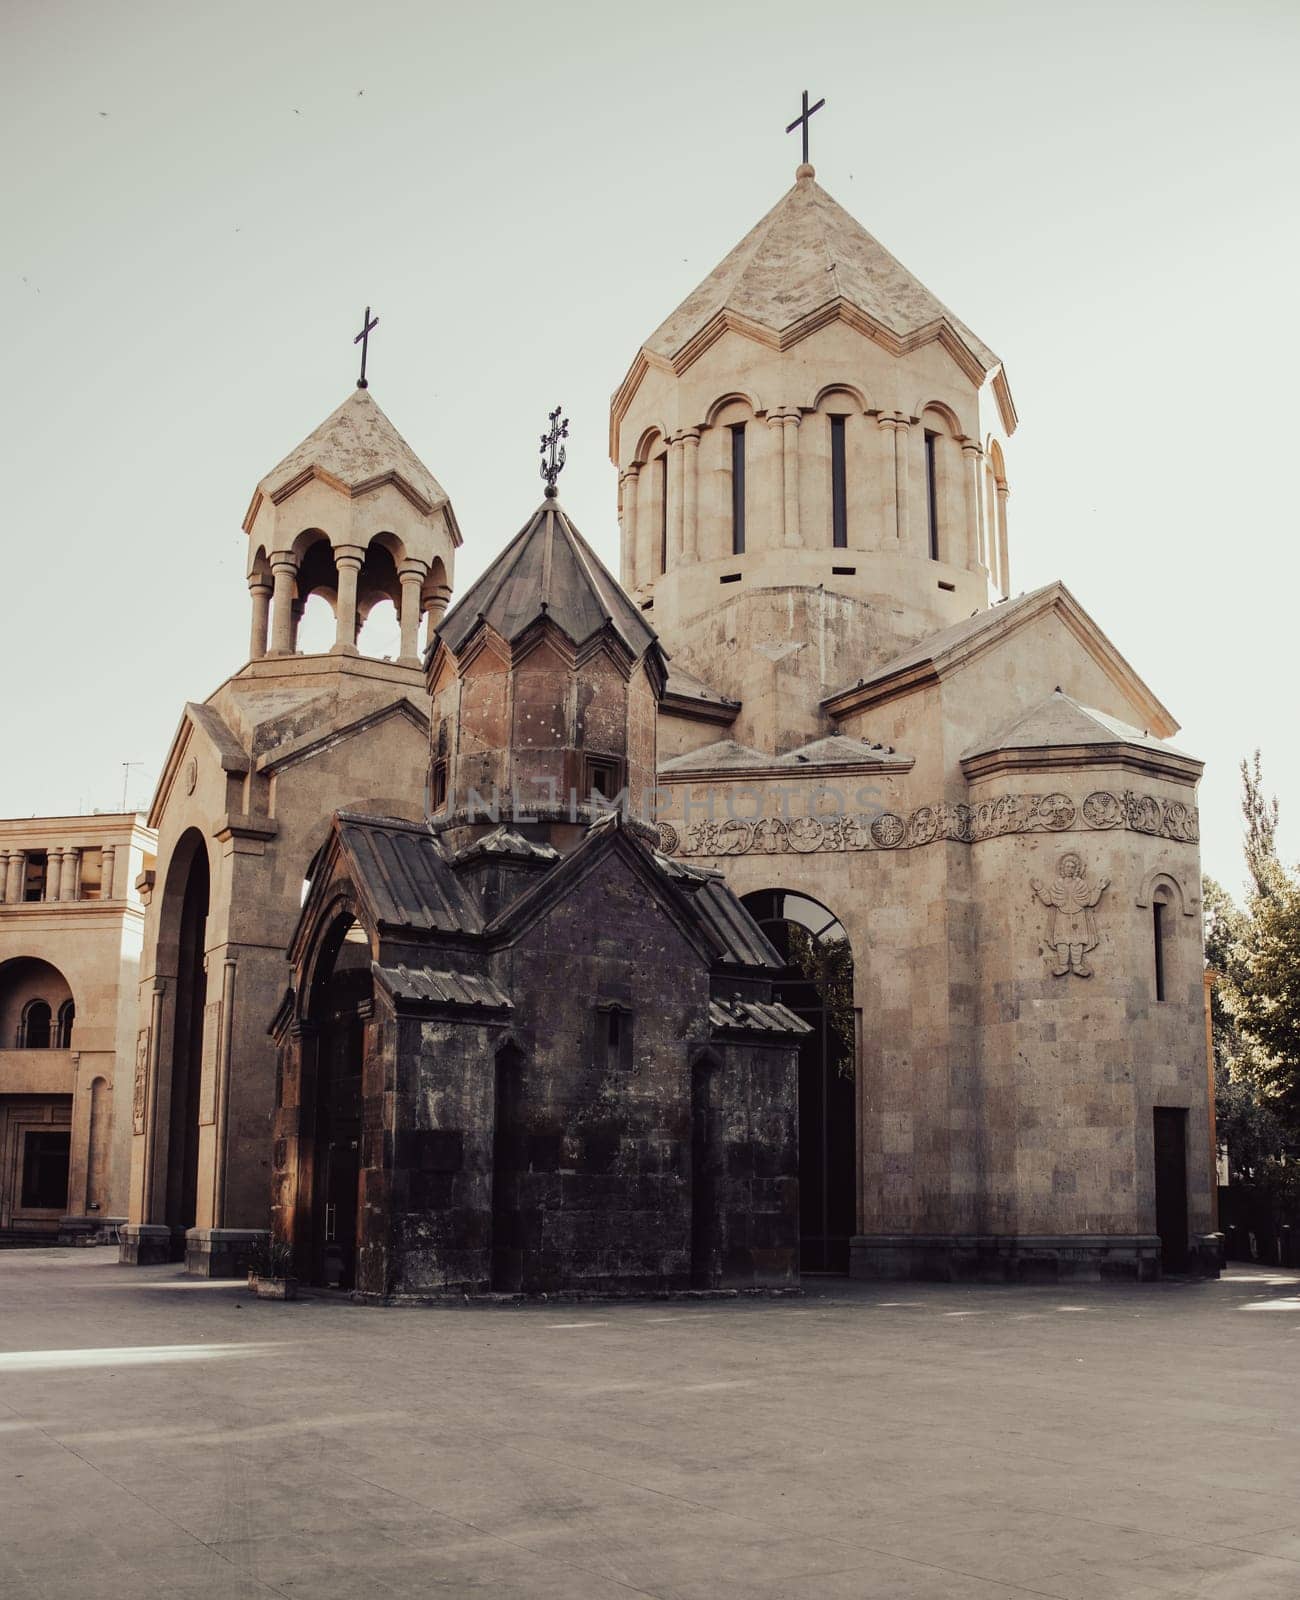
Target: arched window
{"type": "Point", "coordinates": [67, 1016]}
{"type": "Point", "coordinates": [1159, 938]}
{"type": "Point", "coordinates": [36, 1026]}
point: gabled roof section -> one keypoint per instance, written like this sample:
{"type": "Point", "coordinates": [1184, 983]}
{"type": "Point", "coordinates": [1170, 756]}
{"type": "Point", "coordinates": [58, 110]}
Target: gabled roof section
{"type": "Point", "coordinates": [403, 877]}
{"type": "Point", "coordinates": [739, 1016]}
{"type": "Point", "coordinates": [455, 991]}
{"type": "Point", "coordinates": [689, 696]}
{"type": "Point", "coordinates": [1059, 732]}
{"type": "Point", "coordinates": [951, 648]}
{"type": "Point", "coordinates": [804, 259]}
{"type": "Point", "coordinates": [355, 449]}
{"type": "Point", "coordinates": [722, 753]}
{"type": "Point", "coordinates": [548, 572]}
{"type": "Point", "coordinates": [504, 841]}
{"type": "Point", "coordinates": [230, 753]}
{"type": "Point", "coordinates": [841, 751]}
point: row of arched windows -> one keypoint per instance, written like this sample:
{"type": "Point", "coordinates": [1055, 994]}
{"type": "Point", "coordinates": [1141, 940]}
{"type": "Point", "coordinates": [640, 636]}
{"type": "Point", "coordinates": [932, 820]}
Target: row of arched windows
{"type": "Point", "coordinates": [836, 476]}
{"type": "Point", "coordinates": [39, 1028]}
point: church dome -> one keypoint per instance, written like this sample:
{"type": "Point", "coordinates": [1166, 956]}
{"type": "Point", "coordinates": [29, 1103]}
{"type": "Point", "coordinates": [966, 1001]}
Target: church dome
{"type": "Point", "coordinates": [805, 261]}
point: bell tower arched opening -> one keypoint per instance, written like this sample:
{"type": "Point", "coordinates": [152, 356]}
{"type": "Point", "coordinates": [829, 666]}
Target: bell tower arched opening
{"type": "Point", "coordinates": [817, 984]}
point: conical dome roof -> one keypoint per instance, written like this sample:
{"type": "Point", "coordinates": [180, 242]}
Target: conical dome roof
{"type": "Point", "coordinates": [355, 447]}
{"type": "Point", "coordinates": [791, 269]}
{"type": "Point", "coordinates": [548, 569]}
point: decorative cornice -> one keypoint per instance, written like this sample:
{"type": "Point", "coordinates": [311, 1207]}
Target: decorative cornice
{"type": "Point", "coordinates": [1086, 757]}
{"type": "Point", "coordinates": [836, 310]}
{"type": "Point", "coordinates": [1101, 811]}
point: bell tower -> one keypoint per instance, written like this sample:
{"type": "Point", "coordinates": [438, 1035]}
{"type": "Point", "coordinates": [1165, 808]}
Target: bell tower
{"type": "Point", "coordinates": [811, 468]}
{"type": "Point", "coordinates": [355, 516]}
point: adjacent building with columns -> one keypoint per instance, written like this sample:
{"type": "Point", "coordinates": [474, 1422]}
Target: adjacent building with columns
{"type": "Point", "coordinates": [956, 811]}
{"type": "Point", "coordinates": [253, 776]}
{"type": "Point", "coordinates": [71, 928]}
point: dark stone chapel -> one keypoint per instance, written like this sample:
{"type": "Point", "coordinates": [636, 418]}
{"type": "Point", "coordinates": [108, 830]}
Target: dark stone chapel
{"type": "Point", "coordinates": [523, 1051]}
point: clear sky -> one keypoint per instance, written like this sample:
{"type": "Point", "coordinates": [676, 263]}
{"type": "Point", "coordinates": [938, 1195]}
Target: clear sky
{"type": "Point", "coordinates": [199, 200]}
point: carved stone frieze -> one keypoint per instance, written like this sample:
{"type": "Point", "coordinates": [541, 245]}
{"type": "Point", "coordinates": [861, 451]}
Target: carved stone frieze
{"type": "Point", "coordinates": [965, 824]}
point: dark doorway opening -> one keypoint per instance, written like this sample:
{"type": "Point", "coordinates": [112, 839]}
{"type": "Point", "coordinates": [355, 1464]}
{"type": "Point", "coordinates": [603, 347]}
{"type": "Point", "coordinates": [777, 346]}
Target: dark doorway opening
{"type": "Point", "coordinates": [1170, 1127]}
{"type": "Point", "coordinates": [187, 1047]}
{"type": "Point", "coordinates": [507, 1163]}
{"type": "Point", "coordinates": [342, 1001]}
{"type": "Point", "coordinates": [817, 984]}
{"type": "Point", "coordinates": [45, 1170]}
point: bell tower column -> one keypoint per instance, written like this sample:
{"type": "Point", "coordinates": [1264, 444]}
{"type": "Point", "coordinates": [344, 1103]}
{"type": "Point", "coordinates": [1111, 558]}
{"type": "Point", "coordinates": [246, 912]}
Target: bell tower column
{"type": "Point", "coordinates": [627, 553]}
{"type": "Point", "coordinates": [348, 559]}
{"type": "Point", "coordinates": [284, 570]}
{"type": "Point", "coordinates": [411, 577]}
{"type": "Point", "coordinates": [261, 591]}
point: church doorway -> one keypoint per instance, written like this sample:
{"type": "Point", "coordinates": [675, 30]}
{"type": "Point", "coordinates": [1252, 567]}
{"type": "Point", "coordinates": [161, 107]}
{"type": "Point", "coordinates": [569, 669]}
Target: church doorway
{"type": "Point", "coordinates": [341, 1002]}
{"type": "Point", "coordinates": [817, 984]}
{"type": "Point", "coordinates": [187, 1043]}
{"type": "Point", "coordinates": [1170, 1131]}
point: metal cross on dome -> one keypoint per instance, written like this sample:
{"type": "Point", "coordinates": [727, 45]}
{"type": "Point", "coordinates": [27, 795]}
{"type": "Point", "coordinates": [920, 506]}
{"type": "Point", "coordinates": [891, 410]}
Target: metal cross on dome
{"type": "Point", "coordinates": [553, 451]}
{"type": "Point", "coordinates": [363, 339]}
{"type": "Point", "coordinates": [802, 121]}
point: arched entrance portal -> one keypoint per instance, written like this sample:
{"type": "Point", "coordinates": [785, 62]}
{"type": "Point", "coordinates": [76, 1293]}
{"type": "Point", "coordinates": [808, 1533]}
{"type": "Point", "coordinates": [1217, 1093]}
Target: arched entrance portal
{"type": "Point", "coordinates": [187, 1044]}
{"type": "Point", "coordinates": [817, 984]}
{"type": "Point", "coordinates": [341, 1000]}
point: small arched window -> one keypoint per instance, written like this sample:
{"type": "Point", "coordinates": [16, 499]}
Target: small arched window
{"type": "Point", "coordinates": [1159, 938]}
{"type": "Point", "coordinates": [35, 1026]}
{"type": "Point", "coordinates": [67, 1016]}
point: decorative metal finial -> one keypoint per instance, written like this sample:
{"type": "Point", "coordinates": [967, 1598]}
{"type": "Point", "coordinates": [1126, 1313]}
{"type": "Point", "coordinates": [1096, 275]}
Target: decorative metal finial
{"type": "Point", "coordinates": [553, 450]}
{"type": "Point", "coordinates": [363, 339]}
{"type": "Point", "coordinates": [802, 121]}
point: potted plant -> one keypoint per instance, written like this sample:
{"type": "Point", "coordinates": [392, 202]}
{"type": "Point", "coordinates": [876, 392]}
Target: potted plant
{"type": "Point", "coordinates": [270, 1270]}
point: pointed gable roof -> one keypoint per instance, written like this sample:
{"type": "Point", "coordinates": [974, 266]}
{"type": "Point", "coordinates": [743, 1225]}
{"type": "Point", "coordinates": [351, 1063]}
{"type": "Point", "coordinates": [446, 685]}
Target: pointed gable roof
{"type": "Point", "coordinates": [1060, 732]}
{"type": "Point", "coordinates": [548, 571]}
{"type": "Point", "coordinates": [354, 449]}
{"type": "Point", "coordinates": [939, 654]}
{"type": "Point", "coordinates": [805, 255]}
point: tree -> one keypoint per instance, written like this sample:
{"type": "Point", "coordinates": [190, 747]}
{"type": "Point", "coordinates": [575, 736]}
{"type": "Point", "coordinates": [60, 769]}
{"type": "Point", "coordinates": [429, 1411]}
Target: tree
{"type": "Point", "coordinates": [1255, 1003]}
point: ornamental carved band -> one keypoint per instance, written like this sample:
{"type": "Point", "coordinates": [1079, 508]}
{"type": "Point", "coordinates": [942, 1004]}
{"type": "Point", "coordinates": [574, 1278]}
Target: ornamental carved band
{"type": "Point", "coordinates": [964, 824]}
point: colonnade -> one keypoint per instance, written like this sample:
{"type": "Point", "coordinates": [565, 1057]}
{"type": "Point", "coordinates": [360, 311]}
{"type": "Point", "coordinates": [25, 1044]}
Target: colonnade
{"type": "Point", "coordinates": [62, 873]}
{"type": "Point", "coordinates": [277, 608]}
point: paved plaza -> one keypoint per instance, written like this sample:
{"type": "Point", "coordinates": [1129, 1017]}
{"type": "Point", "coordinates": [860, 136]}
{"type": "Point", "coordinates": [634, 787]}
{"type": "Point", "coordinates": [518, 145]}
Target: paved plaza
{"type": "Point", "coordinates": [167, 1436]}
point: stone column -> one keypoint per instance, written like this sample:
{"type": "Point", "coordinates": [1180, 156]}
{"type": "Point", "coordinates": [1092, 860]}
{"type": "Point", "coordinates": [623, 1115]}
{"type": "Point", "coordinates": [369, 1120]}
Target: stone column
{"type": "Point", "coordinates": [108, 856]}
{"type": "Point", "coordinates": [17, 873]}
{"type": "Point", "coordinates": [4, 877]}
{"type": "Point", "coordinates": [627, 546]}
{"type": "Point", "coordinates": [1004, 570]}
{"type": "Point", "coordinates": [902, 480]}
{"type": "Point", "coordinates": [347, 560]}
{"type": "Point", "coordinates": [790, 476]}
{"type": "Point", "coordinates": [411, 577]}
{"type": "Point", "coordinates": [971, 454]}
{"type": "Point", "coordinates": [260, 588]}
{"type": "Point", "coordinates": [285, 571]}
{"type": "Point", "coordinates": [53, 873]}
{"type": "Point", "coordinates": [676, 502]}
{"type": "Point", "coordinates": [71, 860]}
{"type": "Point", "coordinates": [690, 495]}
{"type": "Point", "coordinates": [435, 606]}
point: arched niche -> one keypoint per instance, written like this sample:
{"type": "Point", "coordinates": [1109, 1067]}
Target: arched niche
{"type": "Point", "coordinates": [182, 963]}
{"type": "Point", "coordinates": [33, 993]}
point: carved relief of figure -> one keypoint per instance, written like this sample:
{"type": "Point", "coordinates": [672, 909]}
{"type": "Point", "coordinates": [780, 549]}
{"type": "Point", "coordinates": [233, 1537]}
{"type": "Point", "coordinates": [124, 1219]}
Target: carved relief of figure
{"type": "Point", "coordinates": [1073, 930]}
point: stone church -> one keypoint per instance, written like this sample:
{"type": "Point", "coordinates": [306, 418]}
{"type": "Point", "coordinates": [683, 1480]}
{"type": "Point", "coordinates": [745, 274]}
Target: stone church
{"type": "Point", "coordinates": [808, 902]}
